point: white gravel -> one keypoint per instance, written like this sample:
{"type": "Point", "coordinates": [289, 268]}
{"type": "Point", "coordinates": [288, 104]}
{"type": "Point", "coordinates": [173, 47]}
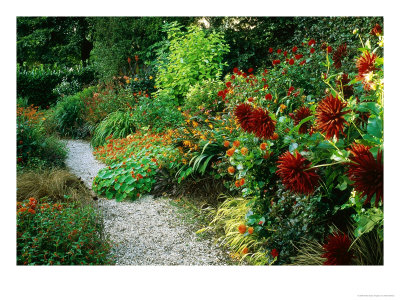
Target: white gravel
{"type": "Point", "coordinates": [148, 231]}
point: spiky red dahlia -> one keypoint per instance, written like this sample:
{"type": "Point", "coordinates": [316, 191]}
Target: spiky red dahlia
{"type": "Point", "coordinates": [337, 250]}
{"type": "Point", "coordinates": [366, 172]}
{"type": "Point", "coordinates": [340, 52]}
{"type": "Point", "coordinates": [300, 114]}
{"type": "Point", "coordinates": [243, 112]}
{"type": "Point", "coordinates": [261, 123]}
{"type": "Point", "coordinates": [295, 172]}
{"type": "Point", "coordinates": [365, 65]}
{"type": "Point", "coordinates": [343, 83]}
{"type": "Point", "coordinates": [330, 116]}
{"type": "Point", "coordinates": [377, 30]}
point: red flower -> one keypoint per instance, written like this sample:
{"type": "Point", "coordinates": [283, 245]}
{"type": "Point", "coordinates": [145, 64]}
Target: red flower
{"type": "Point", "coordinates": [136, 57]}
{"type": "Point", "coordinates": [250, 99]}
{"type": "Point", "coordinates": [233, 77]}
{"type": "Point", "coordinates": [377, 30]}
{"type": "Point", "coordinates": [329, 49]}
{"type": "Point", "coordinates": [366, 172]}
{"type": "Point", "coordinates": [243, 112]}
{"type": "Point", "coordinates": [312, 50]}
{"type": "Point", "coordinates": [285, 53]}
{"type": "Point", "coordinates": [291, 61]}
{"type": "Point", "coordinates": [242, 228]}
{"type": "Point", "coordinates": [338, 55]}
{"type": "Point", "coordinates": [250, 70]}
{"type": "Point", "coordinates": [295, 172]}
{"type": "Point", "coordinates": [300, 114]}
{"type": "Point", "coordinates": [311, 42]}
{"type": "Point", "coordinates": [298, 56]}
{"type": "Point", "coordinates": [274, 253]}
{"type": "Point", "coordinates": [276, 62]}
{"type": "Point", "coordinates": [279, 51]}
{"type": "Point", "coordinates": [261, 123]}
{"type": "Point", "coordinates": [294, 49]}
{"type": "Point", "coordinates": [366, 64]}
{"type": "Point", "coordinates": [270, 50]}
{"type": "Point", "coordinates": [129, 60]}
{"type": "Point", "coordinates": [268, 97]}
{"type": "Point", "coordinates": [228, 84]}
{"type": "Point", "coordinates": [337, 250]}
{"type": "Point", "coordinates": [291, 89]}
{"type": "Point", "coordinates": [235, 70]}
{"type": "Point", "coordinates": [302, 62]}
{"type": "Point", "coordinates": [330, 116]}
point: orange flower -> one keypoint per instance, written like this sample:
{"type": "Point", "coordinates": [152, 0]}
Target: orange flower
{"type": "Point", "coordinates": [230, 152]}
{"type": "Point", "coordinates": [245, 250]}
{"type": "Point", "coordinates": [237, 184]}
{"type": "Point", "coordinates": [227, 144]}
{"type": "Point", "coordinates": [231, 170]}
{"type": "Point", "coordinates": [263, 146]}
{"type": "Point", "coordinates": [31, 211]}
{"type": "Point", "coordinates": [266, 155]}
{"type": "Point", "coordinates": [236, 144]}
{"type": "Point", "coordinates": [241, 182]}
{"type": "Point", "coordinates": [250, 230]}
{"type": "Point", "coordinates": [242, 228]}
{"type": "Point", "coordinates": [244, 151]}
{"type": "Point", "coordinates": [275, 136]}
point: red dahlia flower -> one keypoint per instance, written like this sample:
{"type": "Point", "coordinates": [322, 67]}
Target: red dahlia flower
{"type": "Point", "coordinates": [377, 30]}
{"type": "Point", "coordinates": [270, 50]}
{"type": "Point", "coordinates": [302, 62]}
{"type": "Point", "coordinates": [330, 116]}
{"type": "Point", "coordinates": [268, 97]}
{"type": "Point", "coordinates": [312, 50]}
{"type": "Point", "coordinates": [243, 112]}
{"type": "Point", "coordinates": [365, 65]}
{"type": "Point", "coordinates": [294, 49]}
{"type": "Point", "coordinates": [300, 114]}
{"type": "Point", "coordinates": [235, 70]}
{"type": "Point", "coordinates": [337, 250]}
{"type": "Point", "coordinates": [250, 70]}
{"type": "Point", "coordinates": [298, 56]}
{"type": "Point", "coordinates": [276, 62]}
{"type": "Point", "coordinates": [291, 61]}
{"type": "Point", "coordinates": [279, 51]}
{"type": "Point", "coordinates": [228, 84]}
{"type": "Point", "coordinates": [311, 42]}
{"type": "Point", "coordinates": [261, 123]}
{"type": "Point", "coordinates": [274, 253]}
{"type": "Point", "coordinates": [366, 172]}
{"type": "Point", "coordinates": [338, 55]}
{"type": "Point", "coordinates": [295, 172]}
{"type": "Point", "coordinates": [285, 53]}
{"type": "Point", "coordinates": [329, 49]}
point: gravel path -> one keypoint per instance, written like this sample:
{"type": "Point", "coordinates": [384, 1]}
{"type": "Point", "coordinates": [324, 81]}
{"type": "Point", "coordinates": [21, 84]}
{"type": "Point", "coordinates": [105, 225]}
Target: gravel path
{"type": "Point", "coordinates": [147, 231]}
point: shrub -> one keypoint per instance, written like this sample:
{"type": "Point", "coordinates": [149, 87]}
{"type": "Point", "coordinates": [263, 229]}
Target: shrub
{"type": "Point", "coordinates": [193, 56]}
{"type": "Point", "coordinates": [204, 96]}
{"type": "Point", "coordinates": [38, 84]}
{"type": "Point", "coordinates": [59, 234]}
{"type": "Point", "coordinates": [34, 147]}
{"type": "Point", "coordinates": [159, 113]}
{"type": "Point", "coordinates": [117, 124]}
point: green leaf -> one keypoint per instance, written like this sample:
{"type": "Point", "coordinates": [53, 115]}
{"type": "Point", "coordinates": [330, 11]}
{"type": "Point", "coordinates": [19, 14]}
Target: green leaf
{"type": "Point", "coordinates": [375, 126]}
{"type": "Point", "coordinates": [296, 128]}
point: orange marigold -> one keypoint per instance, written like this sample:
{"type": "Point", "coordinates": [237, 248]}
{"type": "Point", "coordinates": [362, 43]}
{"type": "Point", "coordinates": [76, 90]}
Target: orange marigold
{"type": "Point", "coordinates": [237, 184]}
{"type": "Point", "coordinates": [263, 146]}
{"type": "Point", "coordinates": [226, 144]}
{"type": "Point", "coordinates": [244, 151]}
{"type": "Point", "coordinates": [245, 250]}
{"type": "Point", "coordinates": [231, 170]}
{"type": "Point", "coordinates": [242, 228]}
{"type": "Point", "coordinates": [241, 182]}
{"type": "Point", "coordinates": [250, 230]}
{"type": "Point", "coordinates": [230, 152]}
{"type": "Point", "coordinates": [236, 144]}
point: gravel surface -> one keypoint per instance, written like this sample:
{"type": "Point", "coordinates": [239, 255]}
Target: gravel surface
{"type": "Point", "coordinates": [147, 231]}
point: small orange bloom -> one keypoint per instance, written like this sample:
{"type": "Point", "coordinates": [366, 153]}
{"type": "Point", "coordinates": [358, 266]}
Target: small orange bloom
{"type": "Point", "coordinates": [244, 151]}
{"type": "Point", "coordinates": [242, 228]}
{"type": "Point", "coordinates": [266, 155]}
{"type": "Point", "coordinates": [250, 230]}
{"type": "Point", "coordinates": [275, 136]}
{"type": "Point", "coordinates": [245, 250]}
{"type": "Point", "coordinates": [263, 146]}
{"type": "Point", "coordinates": [230, 152]}
{"type": "Point", "coordinates": [237, 184]}
{"type": "Point", "coordinates": [227, 144]}
{"type": "Point", "coordinates": [241, 182]}
{"type": "Point", "coordinates": [231, 170]}
{"type": "Point", "coordinates": [236, 144]}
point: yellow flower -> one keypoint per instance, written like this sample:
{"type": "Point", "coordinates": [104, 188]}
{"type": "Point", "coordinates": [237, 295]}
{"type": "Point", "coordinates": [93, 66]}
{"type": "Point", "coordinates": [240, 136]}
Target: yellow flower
{"type": "Point", "coordinates": [151, 77]}
{"type": "Point", "coordinates": [210, 125]}
{"type": "Point", "coordinates": [136, 79]}
{"type": "Point", "coordinates": [179, 108]}
{"type": "Point", "coordinates": [195, 124]}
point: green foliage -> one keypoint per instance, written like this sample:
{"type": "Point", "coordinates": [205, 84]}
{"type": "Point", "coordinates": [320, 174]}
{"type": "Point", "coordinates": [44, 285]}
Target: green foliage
{"type": "Point", "coordinates": [204, 96]}
{"type": "Point", "coordinates": [68, 116]}
{"type": "Point", "coordinates": [59, 234]}
{"type": "Point", "coordinates": [117, 124]}
{"type": "Point", "coordinates": [194, 56]}
{"type": "Point", "coordinates": [44, 84]}
{"type": "Point", "coordinates": [35, 149]}
{"type": "Point", "coordinates": [157, 113]}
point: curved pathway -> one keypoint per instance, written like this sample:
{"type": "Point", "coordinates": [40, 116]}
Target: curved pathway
{"type": "Point", "coordinates": [147, 231]}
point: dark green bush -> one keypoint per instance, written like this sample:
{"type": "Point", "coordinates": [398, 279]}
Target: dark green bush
{"type": "Point", "coordinates": [39, 85]}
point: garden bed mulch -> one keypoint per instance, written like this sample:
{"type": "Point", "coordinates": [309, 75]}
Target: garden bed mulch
{"type": "Point", "coordinates": [148, 231]}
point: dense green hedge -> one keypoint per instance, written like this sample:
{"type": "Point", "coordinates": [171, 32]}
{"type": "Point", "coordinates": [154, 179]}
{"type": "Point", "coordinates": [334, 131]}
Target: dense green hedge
{"type": "Point", "coordinates": [37, 84]}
